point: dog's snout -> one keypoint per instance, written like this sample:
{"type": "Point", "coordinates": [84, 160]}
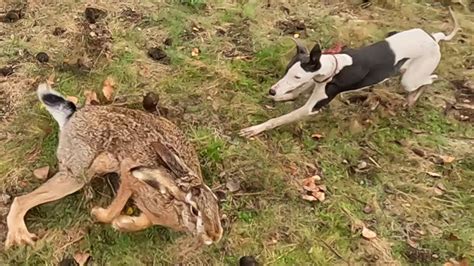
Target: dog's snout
{"type": "Point", "coordinates": [272, 92]}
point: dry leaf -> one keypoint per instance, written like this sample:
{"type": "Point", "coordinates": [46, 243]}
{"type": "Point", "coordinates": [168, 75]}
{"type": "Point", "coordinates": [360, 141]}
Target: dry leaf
{"type": "Point", "coordinates": [296, 35]}
{"type": "Point", "coordinates": [50, 80]}
{"type": "Point", "coordinates": [72, 99]}
{"type": "Point", "coordinates": [108, 88]}
{"type": "Point", "coordinates": [41, 173]}
{"type": "Point", "coordinates": [368, 234]}
{"type": "Point", "coordinates": [81, 258]}
{"type": "Point", "coordinates": [309, 198]}
{"type": "Point", "coordinates": [319, 195]}
{"type": "Point", "coordinates": [438, 191]}
{"type": "Point", "coordinates": [447, 159]}
{"type": "Point", "coordinates": [269, 107]}
{"type": "Point", "coordinates": [433, 174]}
{"type": "Point", "coordinates": [233, 185]}
{"type": "Point", "coordinates": [195, 52]}
{"type": "Point", "coordinates": [322, 188]}
{"type": "Point", "coordinates": [91, 97]}
{"type": "Point", "coordinates": [317, 136]}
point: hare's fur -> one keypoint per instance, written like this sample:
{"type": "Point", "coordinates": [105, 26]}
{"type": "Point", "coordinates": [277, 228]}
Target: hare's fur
{"type": "Point", "coordinates": [102, 139]}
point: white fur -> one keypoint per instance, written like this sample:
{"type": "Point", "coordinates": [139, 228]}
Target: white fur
{"type": "Point", "coordinates": [59, 113]}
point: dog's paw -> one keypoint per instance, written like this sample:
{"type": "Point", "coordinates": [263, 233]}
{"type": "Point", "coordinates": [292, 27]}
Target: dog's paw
{"type": "Point", "coordinates": [19, 236]}
{"type": "Point", "coordinates": [251, 131]}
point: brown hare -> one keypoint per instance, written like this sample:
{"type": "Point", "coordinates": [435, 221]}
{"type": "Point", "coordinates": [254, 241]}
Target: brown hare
{"type": "Point", "coordinates": [158, 168]}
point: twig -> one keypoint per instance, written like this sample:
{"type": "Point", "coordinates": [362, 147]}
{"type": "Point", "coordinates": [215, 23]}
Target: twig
{"type": "Point", "coordinates": [376, 164]}
{"type": "Point", "coordinates": [70, 243]}
{"type": "Point", "coordinates": [249, 193]}
{"type": "Point", "coordinates": [333, 250]}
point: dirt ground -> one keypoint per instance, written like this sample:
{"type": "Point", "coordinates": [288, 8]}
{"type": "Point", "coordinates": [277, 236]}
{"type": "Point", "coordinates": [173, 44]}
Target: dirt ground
{"type": "Point", "coordinates": [397, 183]}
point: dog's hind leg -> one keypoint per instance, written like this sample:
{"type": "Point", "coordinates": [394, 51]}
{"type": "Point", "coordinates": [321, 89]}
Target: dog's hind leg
{"type": "Point", "coordinates": [57, 187]}
{"type": "Point", "coordinates": [419, 73]}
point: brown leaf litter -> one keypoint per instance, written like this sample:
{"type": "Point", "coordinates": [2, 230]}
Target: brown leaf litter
{"type": "Point", "coordinates": [312, 190]}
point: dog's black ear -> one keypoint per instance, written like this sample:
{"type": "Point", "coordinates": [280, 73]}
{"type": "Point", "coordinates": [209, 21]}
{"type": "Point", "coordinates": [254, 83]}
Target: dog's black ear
{"type": "Point", "coordinates": [315, 54]}
{"type": "Point", "coordinates": [300, 49]}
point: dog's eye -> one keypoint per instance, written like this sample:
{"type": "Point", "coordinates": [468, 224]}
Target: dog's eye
{"type": "Point", "coordinates": [297, 77]}
{"type": "Point", "coordinates": [194, 211]}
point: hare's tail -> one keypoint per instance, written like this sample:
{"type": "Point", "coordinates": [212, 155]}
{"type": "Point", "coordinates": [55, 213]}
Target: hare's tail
{"type": "Point", "coordinates": [60, 108]}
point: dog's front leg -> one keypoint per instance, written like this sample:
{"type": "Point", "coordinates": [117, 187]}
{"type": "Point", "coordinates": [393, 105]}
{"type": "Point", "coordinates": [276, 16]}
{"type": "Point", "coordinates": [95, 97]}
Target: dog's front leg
{"type": "Point", "coordinates": [300, 113]}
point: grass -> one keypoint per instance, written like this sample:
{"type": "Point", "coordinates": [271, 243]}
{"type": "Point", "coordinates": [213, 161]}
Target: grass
{"type": "Point", "coordinates": [214, 95]}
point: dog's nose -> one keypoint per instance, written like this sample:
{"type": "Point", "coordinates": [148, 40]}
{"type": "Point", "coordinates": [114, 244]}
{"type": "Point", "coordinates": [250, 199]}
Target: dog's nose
{"type": "Point", "coordinates": [272, 92]}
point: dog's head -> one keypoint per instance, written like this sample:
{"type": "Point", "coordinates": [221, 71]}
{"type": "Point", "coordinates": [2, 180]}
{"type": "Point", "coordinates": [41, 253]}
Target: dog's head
{"type": "Point", "coordinates": [301, 69]}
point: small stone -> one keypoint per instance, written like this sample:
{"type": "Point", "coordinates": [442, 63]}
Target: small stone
{"type": "Point", "coordinates": [150, 101]}
{"type": "Point", "coordinates": [248, 261]}
{"type": "Point", "coordinates": [93, 14]}
{"type": "Point", "coordinates": [168, 41]}
{"type": "Point", "coordinates": [12, 16]}
{"type": "Point", "coordinates": [6, 71]}
{"type": "Point", "coordinates": [368, 209]}
{"type": "Point", "coordinates": [42, 57]}
{"type": "Point", "coordinates": [362, 165]}
{"type": "Point", "coordinates": [159, 55]}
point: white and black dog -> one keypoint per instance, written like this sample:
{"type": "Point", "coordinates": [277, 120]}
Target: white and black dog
{"type": "Point", "coordinates": [415, 53]}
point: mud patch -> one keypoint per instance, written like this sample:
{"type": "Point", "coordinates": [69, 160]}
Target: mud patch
{"type": "Point", "coordinates": [292, 26]}
{"type": "Point", "coordinates": [194, 31]}
{"type": "Point", "coordinates": [463, 108]}
{"type": "Point", "coordinates": [130, 15]}
{"type": "Point", "coordinates": [240, 43]}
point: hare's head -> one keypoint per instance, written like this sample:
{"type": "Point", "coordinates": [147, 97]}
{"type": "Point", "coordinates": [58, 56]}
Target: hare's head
{"type": "Point", "coordinates": [197, 211]}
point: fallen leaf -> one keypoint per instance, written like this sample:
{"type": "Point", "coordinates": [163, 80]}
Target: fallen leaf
{"type": "Point", "coordinates": [296, 35]}
{"type": "Point", "coordinates": [447, 159]}
{"type": "Point", "coordinates": [322, 188]}
{"type": "Point", "coordinates": [81, 258]}
{"type": "Point", "coordinates": [368, 234]}
{"type": "Point", "coordinates": [438, 191]}
{"type": "Point", "coordinates": [195, 52]}
{"type": "Point", "coordinates": [269, 107]}
{"type": "Point", "coordinates": [433, 174]}
{"type": "Point", "coordinates": [72, 99]}
{"type": "Point", "coordinates": [317, 136]}
{"type": "Point", "coordinates": [319, 195]}
{"type": "Point", "coordinates": [309, 198]}
{"type": "Point", "coordinates": [91, 97]}
{"type": "Point", "coordinates": [233, 185]}
{"type": "Point", "coordinates": [108, 88]}
{"type": "Point", "coordinates": [41, 173]}
{"type": "Point", "coordinates": [50, 80]}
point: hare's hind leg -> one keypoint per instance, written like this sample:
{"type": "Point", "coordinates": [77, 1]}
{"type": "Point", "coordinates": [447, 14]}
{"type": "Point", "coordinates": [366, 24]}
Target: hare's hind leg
{"type": "Point", "coordinates": [125, 223]}
{"type": "Point", "coordinates": [123, 194]}
{"type": "Point", "coordinates": [59, 186]}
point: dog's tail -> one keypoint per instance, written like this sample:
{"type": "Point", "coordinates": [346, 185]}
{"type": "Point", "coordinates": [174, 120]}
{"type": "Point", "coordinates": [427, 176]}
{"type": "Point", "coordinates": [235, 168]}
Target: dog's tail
{"type": "Point", "coordinates": [60, 108]}
{"type": "Point", "coordinates": [440, 36]}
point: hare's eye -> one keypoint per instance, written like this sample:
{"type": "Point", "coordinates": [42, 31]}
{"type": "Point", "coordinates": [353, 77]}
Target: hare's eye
{"type": "Point", "coordinates": [194, 211]}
